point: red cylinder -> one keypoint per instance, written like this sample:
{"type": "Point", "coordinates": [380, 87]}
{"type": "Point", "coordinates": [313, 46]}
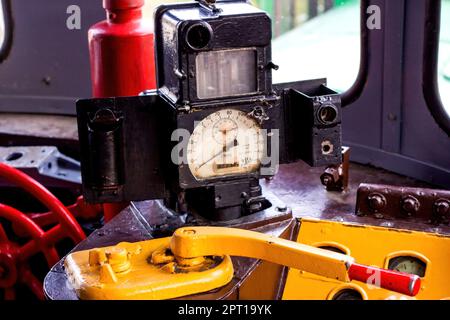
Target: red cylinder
{"type": "Point", "coordinates": [121, 51]}
{"type": "Point", "coordinates": [122, 57]}
{"type": "Point", "coordinates": [404, 283]}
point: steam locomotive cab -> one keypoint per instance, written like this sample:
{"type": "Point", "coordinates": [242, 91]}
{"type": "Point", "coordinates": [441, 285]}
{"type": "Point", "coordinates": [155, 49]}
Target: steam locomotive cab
{"type": "Point", "coordinates": [208, 156]}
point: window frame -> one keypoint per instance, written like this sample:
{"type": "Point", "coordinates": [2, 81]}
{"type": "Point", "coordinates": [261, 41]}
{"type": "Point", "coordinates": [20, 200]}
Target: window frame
{"type": "Point", "coordinates": [355, 91]}
{"type": "Point", "coordinates": [430, 81]}
{"type": "Point", "coordinates": [5, 46]}
{"type": "Point", "coordinates": [388, 123]}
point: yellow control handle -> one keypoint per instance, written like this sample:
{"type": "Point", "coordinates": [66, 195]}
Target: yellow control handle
{"type": "Point", "coordinates": [188, 243]}
{"type": "Point", "coordinates": [191, 242]}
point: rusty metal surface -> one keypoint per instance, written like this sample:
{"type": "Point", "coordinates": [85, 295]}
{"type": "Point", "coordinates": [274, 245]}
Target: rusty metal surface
{"type": "Point", "coordinates": [411, 204]}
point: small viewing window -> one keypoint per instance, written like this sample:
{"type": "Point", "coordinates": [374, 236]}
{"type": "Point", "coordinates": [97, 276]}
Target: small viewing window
{"type": "Point", "coordinates": [226, 73]}
{"type": "Point", "coordinates": [444, 56]}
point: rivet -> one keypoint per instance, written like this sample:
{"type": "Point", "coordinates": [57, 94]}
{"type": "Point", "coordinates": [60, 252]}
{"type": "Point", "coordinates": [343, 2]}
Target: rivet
{"type": "Point", "coordinates": [377, 202]}
{"type": "Point", "coordinates": [410, 205]}
{"type": "Point", "coordinates": [442, 207]}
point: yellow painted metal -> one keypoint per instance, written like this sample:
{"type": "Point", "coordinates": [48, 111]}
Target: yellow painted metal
{"type": "Point", "coordinates": [374, 246]}
{"type": "Point", "coordinates": [196, 259]}
{"type": "Point", "coordinates": [143, 270]}
{"type": "Point", "coordinates": [187, 263]}
{"type": "Point", "coordinates": [194, 242]}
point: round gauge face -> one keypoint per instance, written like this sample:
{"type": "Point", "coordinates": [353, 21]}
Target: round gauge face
{"type": "Point", "coordinates": [227, 142]}
{"type": "Point", "coordinates": [408, 265]}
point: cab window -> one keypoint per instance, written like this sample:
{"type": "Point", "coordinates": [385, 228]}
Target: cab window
{"type": "Point", "coordinates": [316, 39]}
{"type": "Point", "coordinates": [444, 56]}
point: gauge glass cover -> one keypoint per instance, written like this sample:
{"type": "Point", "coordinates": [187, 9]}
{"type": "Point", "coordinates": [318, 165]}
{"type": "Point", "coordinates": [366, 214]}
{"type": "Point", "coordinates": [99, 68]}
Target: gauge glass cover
{"type": "Point", "coordinates": [227, 142]}
{"type": "Point", "coordinates": [409, 265]}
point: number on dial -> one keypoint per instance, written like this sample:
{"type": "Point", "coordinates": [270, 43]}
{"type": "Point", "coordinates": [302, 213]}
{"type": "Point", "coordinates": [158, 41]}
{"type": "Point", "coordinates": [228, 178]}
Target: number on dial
{"type": "Point", "coordinates": [227, 142]}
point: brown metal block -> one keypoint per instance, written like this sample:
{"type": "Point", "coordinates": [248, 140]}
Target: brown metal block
{"type": "Point", "coordinates": [392, 202]}
{"type": "Point", "coordinates": [335, 177]}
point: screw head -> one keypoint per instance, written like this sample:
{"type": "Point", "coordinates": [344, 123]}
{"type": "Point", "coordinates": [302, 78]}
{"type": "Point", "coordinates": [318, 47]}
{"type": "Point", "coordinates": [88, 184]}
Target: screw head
{"type": "Point", "coordinates": [442, 207]}
{"type": "Point", "coordinates": [410, 205]}
{"type": "Point", "coordinates": [377, 202]}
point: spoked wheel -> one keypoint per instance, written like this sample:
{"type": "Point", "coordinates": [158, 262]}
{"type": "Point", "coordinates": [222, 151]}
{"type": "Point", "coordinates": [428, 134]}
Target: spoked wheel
{"type": "Point", "coordinates": [14, 257]}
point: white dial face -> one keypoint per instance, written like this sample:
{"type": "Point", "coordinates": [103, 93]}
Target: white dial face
{"type": "Point", "coordinates": [227, 142]}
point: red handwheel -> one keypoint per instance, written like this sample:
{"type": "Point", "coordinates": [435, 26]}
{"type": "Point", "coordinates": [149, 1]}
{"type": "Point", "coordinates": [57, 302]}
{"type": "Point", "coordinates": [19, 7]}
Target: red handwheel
{"type": "Point", "coordinates": [14, 268]}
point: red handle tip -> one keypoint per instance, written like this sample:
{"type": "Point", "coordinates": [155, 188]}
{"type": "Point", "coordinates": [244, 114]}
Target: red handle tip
{"type": "Point", "coordinates": [404, 283]}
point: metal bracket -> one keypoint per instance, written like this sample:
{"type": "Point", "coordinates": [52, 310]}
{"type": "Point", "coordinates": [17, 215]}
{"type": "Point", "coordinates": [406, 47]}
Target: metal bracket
{"type": "Point", "coordinates": [45, 164]}
{"type": "Point", "coordinates": [335, 177]}
{"type": "Point", "coordinates": [414, 204]}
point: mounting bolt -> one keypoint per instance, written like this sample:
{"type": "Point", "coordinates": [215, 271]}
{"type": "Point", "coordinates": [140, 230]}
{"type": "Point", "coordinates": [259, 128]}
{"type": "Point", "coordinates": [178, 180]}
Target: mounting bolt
{"type": "Point", "coordinates": [330, 177]}
{"type": "Point", "coordinates": [410, 205]}
{"type": "Point", "coordinates": [377, 202]}
{"type": "Point", "coordinates": [442, 207]}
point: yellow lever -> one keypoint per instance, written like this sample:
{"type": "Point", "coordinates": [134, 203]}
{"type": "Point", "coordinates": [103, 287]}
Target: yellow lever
{"type": "Point", "coordinates": [188, 243]}
{"type": "Point", "coordinates": [194, 242]}
{"type": "Point", "coordinates": [196, 259]}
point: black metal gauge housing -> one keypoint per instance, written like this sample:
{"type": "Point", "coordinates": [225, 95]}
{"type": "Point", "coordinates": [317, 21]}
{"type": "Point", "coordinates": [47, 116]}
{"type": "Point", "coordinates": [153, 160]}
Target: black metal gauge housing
{"type": "Point", "coordinates": [212, 61]}
{"type": "Point", "coordinates": [272, 112]}
{"type": "Point", "coordinates": [185, 32]}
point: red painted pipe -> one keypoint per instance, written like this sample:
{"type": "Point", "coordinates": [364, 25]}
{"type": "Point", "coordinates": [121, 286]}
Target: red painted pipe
{"type": "Point", "coordinates": [404, 283]}
{"type": "Point", "coordinates": [122, 58]}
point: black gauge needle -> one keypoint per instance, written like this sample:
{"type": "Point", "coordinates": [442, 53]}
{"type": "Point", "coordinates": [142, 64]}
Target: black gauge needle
{"type": "Point", "coordinates": [230, 145]}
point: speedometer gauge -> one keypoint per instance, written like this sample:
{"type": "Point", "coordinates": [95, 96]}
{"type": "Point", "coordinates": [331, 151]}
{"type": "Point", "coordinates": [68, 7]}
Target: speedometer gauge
{"type": "Point", "coordinates": [227, 142]}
